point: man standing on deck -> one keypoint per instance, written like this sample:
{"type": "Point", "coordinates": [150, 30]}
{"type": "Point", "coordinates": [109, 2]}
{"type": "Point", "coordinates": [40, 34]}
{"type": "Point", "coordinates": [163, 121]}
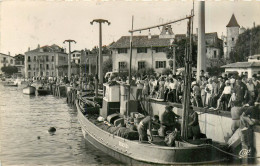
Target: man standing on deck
{"type": "Point", "coordinates": [169, 119]}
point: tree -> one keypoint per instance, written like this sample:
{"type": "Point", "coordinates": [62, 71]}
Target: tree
{"type": "Point", "coordinates": [249, 39]}
{"type": "Point", "coordinates": [107, 66]}
{"type": "Point", "coordinates": [166, 71]}
{"type": "Point", "coordinates": [180, 53]}
{"type": "Point", "coordinates": [9, 70]}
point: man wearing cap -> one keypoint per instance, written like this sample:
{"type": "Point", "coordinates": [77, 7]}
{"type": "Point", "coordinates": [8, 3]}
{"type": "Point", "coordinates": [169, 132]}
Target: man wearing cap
{"type": "Point", "coordinates": [169, 119]}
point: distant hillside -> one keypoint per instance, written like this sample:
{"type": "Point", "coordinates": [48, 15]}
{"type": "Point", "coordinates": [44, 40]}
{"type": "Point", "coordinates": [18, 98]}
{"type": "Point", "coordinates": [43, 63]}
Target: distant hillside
{"type": "Point", "coordinates": [242, 48]}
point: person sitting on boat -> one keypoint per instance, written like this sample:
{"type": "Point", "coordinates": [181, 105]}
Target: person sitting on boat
{"type": "Point", "coordinates": [143, 126]}
{"type": "Point", "coordinates": [193, 126]}
{"type": "Point", "coordinates": [169, 119]}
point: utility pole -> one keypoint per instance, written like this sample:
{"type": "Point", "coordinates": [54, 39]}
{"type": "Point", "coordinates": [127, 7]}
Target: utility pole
{"type": "Point", "coordinates": [100, 58]}
{"type": "Point", "coordinates": [201, 59]}
{"type": "Point", "coordinates": [69, 59]}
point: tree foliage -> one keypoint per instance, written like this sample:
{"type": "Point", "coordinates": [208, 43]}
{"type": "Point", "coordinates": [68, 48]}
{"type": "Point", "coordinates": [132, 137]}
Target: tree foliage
{"type": "Point", "coordinates": [241, 50]}
{"type": "Point", "coordinates": [180, 53]}
{"type": "Point", "coordinates": [166, 71]}
{"type": "Point", "coordinates": [107, 66]}
{"type": "Point", "coordinates": [9, 70]}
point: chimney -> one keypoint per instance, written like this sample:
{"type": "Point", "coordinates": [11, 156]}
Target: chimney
{"type": "Point", "coordinates": [38, 45]}
{"type": "Point", "coordinates": [9, 53]}
{"type": "Point", "coordinates": [29, 49]}
{"type": "Point", "coordinates": [149, 35]}
{"type": "Point", "coordinates": [254, 24]}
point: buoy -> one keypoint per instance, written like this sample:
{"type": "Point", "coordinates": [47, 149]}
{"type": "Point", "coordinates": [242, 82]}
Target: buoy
{"type": "Point", "coordinates": [52, 129]}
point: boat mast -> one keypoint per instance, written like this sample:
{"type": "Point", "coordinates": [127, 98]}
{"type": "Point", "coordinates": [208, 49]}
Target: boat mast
{"type": "Point", "coordinates": [130, 68]}
{"type": "Point", "coordinates": [187, 81]}
{"type": "Point", "coordinates": [188, 66]}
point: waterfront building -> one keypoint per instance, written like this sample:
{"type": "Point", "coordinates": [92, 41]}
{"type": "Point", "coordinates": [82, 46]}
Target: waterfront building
{"type": "Point", "coordinates": [46, 61]}
{"type": "Point", "coordinates": [19, 63]}
{"type": "Point", "coordinates": [89, 60]}
{"type": "Point", "coordinates": [75, 56]}
{"type": "Point", "coordinates": [6, 60]}
{"type": "Point", "coordinates": [245, 68]}
{"type": "Point", "coordinates": [148, 51]}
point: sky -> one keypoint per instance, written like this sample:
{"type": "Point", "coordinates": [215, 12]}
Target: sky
{"type": "Point", "coordinates": [27, 23]}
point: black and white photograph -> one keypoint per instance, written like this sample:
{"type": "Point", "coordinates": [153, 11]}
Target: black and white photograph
{"type": "Point", "coordinates": [129, 82]}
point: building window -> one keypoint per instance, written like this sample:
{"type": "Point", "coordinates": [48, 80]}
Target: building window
{"type": "Point", "coordinates": [47, 66]}
{"type": "Point", "coordinates": [215, 54]}
{"type": "Point", "coordinates": [79, 61]}
{"type": "Point", "coordinates": [29, 59]}
{"type": "Point", "coordinates": [160, 64]}
{"type": "Point", "coordinates": [29, 67]}
{"type": "Point", "coordinates": [29, 74]}
{"type": "Point", "coordinates": [47, 58]}
{"type": "Point", "coordinates": [11, 61]}
{"type": "Point", "coordinates": [141, 50]}
{"type": "Point", "coordinates": [159, 49]}
{"type": "Point", "coordinates": [141, 65]}
{"type": "Point", "coordinates": [34, 58]}
{"type": "Point", "coordinates": [47, 73]}
{"type": "Point", "coordinates": [52, 66]}
{"type": "Point", "coordinates": [73, 55]}
{"type": "Point", "coordinates": [232, 39]}
{"type": "Point", "coordinates": [122, 65]}
{"type": "Point", "coordinates": [122, 50]}
{"type": "Point", "coordinates": [52, 58]}
{"type": "Point", "coordinates": [33, 73]}
{"type": "Point", "coordinates": [40, 66]}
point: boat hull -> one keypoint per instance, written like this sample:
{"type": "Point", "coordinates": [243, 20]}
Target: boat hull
{"type": "Point", "coordinates": [30, 90]}
{"type": "Point", "coordinates": [134, 152]}
{"type": "Point", "coordinates": [43, 92]}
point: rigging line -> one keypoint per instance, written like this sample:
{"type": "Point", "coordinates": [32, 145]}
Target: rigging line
{"type": "Point", "coordinates": [156, 26]}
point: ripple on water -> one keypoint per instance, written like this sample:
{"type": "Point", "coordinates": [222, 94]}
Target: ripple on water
{"type": "Point", "coordinates": [25, 118]}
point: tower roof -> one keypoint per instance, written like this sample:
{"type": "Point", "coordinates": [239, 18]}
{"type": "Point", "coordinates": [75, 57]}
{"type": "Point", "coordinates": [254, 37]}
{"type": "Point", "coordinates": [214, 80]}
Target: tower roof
{"type": "Point", "coordinates": [233, 22]}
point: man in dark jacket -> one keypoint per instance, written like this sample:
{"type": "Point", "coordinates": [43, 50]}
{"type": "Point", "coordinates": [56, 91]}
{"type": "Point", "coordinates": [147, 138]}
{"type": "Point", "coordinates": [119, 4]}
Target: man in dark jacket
{"type": "Point", "coordinates": [169, 119]}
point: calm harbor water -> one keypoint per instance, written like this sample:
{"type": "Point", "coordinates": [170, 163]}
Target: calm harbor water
{"type": "Point", "coordinates": [24, 137]}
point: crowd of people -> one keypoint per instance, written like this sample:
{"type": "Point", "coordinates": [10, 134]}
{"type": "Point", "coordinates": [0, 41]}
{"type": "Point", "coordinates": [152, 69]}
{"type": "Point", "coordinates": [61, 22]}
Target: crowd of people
{"type": "Point", "coordinates": [210, 92]}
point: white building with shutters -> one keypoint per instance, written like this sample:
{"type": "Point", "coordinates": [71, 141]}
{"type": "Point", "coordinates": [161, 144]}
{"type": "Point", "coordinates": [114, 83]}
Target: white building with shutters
{"type": "Point", "coordinates": [148, 51]}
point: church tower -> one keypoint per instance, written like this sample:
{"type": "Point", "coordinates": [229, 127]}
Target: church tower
{"type": "Point", "coordinates": [232, 35]}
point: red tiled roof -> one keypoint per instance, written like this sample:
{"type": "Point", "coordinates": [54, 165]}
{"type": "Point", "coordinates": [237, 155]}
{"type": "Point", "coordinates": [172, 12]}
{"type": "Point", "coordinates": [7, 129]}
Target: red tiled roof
{"type": "Point", "coordinates": [233, 22]}
{"type": "Point", "coordinates": [242, 65]}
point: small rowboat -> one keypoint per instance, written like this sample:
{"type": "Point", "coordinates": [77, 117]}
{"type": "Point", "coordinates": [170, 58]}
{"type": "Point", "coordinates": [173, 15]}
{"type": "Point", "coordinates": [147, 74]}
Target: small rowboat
{"type": "Point", "coordinates": [29, 90]}
{"type": "Point", "coordinates": [42, 91]}
{"type": "Point", "coordinates": [11, 85]}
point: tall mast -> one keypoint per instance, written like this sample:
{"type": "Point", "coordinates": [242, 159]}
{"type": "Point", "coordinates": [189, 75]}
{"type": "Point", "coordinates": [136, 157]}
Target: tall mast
{"type": "Point", "coordinates": [187, 82]}
{"type": "Point", "coordinates": [130, 68]}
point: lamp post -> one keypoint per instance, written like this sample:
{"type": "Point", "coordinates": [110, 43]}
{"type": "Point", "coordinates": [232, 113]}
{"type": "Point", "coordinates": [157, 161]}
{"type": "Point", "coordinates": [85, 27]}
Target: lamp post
{"type": "Point", "coordinates": [69, 59]}
{"type": "Point", "coordinates": [99, 70]}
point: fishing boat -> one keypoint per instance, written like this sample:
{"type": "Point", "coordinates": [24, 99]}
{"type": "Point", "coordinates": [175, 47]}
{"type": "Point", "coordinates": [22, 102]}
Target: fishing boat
{"type": "Point", "coordinates": [119, 101]}
{"type": "Point", "coordinates": [29, 90]}
{"type": "Point", "coordinates": [135, 152]}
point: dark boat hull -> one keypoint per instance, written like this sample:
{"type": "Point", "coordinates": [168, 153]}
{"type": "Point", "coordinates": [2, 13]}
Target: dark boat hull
{"type": "Point", "coordinates": [134, 152]}
{"type": "Point", "coordinates": [43, 92]}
